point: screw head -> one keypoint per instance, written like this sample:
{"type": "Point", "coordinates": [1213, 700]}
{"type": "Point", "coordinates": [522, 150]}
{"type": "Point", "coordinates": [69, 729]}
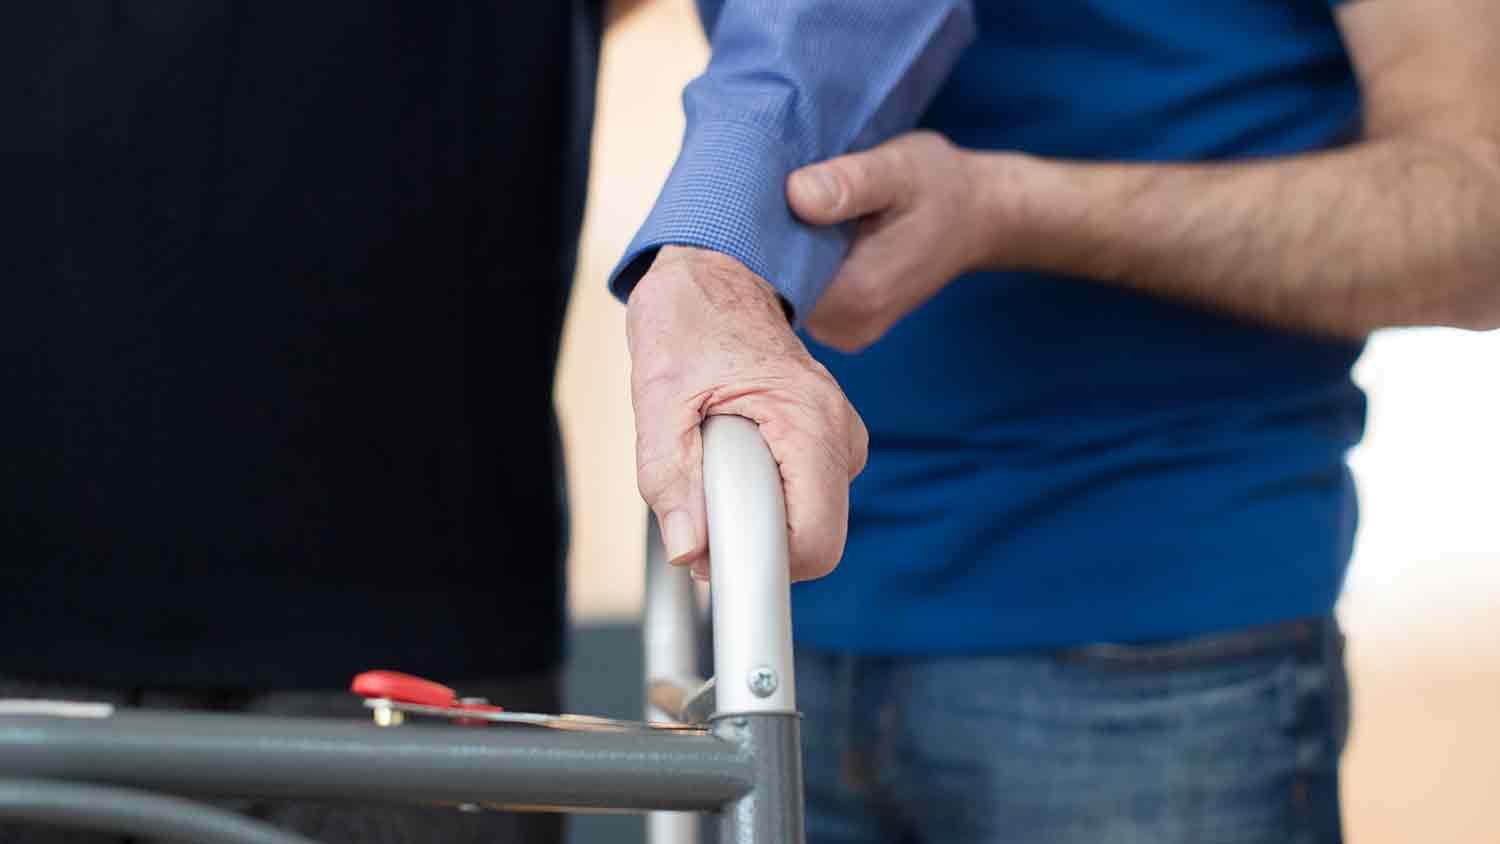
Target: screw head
{"type": "Point", "coordinates": [762, 681]}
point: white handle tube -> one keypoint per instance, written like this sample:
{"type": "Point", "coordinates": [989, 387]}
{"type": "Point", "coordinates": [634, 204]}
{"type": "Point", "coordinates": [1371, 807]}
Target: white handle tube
{"type": "Point", "coordinates": [672, 828]}
{"type": "Point", "coordinates": [669, 627]}
{"type": "Point", "coordinates": [750, 573]}
{"type": "Point", "coordinates": [669, 633]}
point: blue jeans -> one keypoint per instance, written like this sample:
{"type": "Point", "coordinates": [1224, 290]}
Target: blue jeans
{"type": "Point", "coordinates": [1229, 739]}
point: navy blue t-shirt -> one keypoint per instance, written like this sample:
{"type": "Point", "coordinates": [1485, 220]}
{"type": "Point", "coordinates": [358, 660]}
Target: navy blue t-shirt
{"type": "Point", "coordinates": [1057, 461]}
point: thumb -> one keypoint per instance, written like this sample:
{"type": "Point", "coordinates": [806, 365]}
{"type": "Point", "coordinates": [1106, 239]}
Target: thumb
{"type": "Point", "coordinates": [669, 472]}
{"type": "Point", "coordinates": [848, 187]}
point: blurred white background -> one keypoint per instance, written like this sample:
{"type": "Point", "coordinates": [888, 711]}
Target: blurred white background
{"type": "Point", "coordinates": [1424, 590]}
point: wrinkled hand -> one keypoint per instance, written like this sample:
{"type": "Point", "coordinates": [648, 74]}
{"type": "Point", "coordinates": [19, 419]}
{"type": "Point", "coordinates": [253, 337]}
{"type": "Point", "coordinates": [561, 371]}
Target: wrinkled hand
{"type": "Point", "coordinates": [707, 337]}
{"type": "Point", "coordinates": [918, 202]}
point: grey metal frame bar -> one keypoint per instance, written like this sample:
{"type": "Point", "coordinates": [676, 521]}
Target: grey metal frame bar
{"type": "Point", "coordinates": [116, 810]}
{"type": "Point", "coordinates": [773, 810]}
{"type": "Point", "coordinates": [310, 758]}
{"type": "Point", "coordinates": [747, 766]}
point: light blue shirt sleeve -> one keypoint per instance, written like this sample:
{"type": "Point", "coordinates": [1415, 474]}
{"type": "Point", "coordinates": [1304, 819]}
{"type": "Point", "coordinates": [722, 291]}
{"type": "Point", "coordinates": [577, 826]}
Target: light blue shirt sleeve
{"type": "Point", "coordinates": [791, 82]}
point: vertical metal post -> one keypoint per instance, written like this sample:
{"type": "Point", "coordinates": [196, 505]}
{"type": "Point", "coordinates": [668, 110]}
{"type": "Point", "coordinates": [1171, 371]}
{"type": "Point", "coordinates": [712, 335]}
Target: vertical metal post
{"type": "Point", "coordinates": [750, 578]}
{"type": "Point", "coordinates": [669, 632]}
{"type": "Point", "coordinates": [772, 813]}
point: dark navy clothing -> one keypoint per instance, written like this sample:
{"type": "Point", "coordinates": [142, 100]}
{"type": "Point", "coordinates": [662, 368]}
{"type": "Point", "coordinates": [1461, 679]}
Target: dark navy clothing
{"type": "Point", "coordinates": [1056, 461]}
{"type": "Point", "coordinates": [284, 285]}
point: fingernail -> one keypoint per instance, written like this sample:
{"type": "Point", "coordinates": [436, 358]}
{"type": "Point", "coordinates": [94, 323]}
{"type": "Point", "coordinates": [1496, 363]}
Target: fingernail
{"type": "Point", "coordinates": [820, 187]}
{"type": "Point", "coordinates": [699, 571]}
{"type": "Point", "coordinates": [678, 535]}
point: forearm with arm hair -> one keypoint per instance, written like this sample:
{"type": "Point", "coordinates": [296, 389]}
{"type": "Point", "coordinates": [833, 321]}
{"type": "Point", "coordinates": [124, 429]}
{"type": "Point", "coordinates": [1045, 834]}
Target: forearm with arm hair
{"type": "Point", "coordinates": [1394, 231]}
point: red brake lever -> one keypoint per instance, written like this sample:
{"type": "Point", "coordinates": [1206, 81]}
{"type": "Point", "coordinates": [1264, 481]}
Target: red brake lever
{"type": "Point", "coordinates": [403, 688]}
{"type": "Point", "coordinates": [399, 688]}
{"type": "Point", "coordinates": [394, 693]}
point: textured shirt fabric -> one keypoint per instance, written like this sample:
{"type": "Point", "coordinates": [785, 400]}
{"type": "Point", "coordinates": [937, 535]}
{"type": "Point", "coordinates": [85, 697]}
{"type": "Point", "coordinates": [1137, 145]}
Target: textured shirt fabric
{"type": "Point", "coordinates": [791, 82]}
{"type": "Point", "coordinates": [1056, 461]}
{"type": "Point", "coordinates": [283, 294]}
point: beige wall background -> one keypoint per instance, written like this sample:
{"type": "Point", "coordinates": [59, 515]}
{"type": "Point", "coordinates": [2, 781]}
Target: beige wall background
{"type": "Point", "coordinates": [1424, 590]}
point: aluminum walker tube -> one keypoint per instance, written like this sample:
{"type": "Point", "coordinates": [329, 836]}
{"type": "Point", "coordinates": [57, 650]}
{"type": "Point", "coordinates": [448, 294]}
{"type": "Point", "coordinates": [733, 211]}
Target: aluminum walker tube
{"type": "Point", "coordinates": [115, 810]}
{"type": "Point", "coordinates": [749, 574]}
{"type": "Point", "coordinates": [314, 758]}
{"type": "Point", "coordinates": [669, 639]}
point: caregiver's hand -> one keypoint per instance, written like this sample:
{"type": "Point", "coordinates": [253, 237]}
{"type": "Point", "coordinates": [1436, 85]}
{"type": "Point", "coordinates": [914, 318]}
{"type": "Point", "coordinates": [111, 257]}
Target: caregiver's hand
{"type": "Point", "coordinates": [923, 218]}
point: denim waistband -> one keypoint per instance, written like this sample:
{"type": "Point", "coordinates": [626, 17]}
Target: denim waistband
{"type": "Point", "coordinates": [1306, 638]}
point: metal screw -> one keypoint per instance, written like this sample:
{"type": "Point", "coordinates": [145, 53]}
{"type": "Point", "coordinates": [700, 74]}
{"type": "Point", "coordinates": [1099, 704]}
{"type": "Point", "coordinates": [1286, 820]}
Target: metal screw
{"type": "Point", "coordinates": [388, 716]}
{"type": "Point", "coordinates": [763, 681]}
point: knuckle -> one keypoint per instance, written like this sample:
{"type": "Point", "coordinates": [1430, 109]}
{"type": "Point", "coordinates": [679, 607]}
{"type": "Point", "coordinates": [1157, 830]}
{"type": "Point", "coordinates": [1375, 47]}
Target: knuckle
{"type": "Point", "coordinates": [662, 464]}
{"type": "Point", "coordinates": [859, 443]}
{"type": "Point", "coordinates": [654, 476]}
{"type": "Point", "coordinates": [819, 552]}
{"type": "Point", "coordinates": [904, 157]}
{"type": "Point", "coordinates": [851, 174]}
{"type": "Point", "coordinates": [824, 390]}
{"type": "Point", "coordinates": [653, 381]}
{"type": "Point", "coordinates": [930, 139]}
{"type": "Point", "coordinates": [831, 403]}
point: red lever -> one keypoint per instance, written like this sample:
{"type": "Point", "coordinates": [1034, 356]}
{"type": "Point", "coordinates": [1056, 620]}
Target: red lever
{"type": "Point", "coordinates": [404, 688]}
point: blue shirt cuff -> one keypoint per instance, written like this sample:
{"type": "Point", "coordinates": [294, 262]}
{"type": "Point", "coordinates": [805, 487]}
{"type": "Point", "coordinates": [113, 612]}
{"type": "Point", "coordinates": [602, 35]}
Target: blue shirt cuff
{"type": "Point", "coordinates": [727, 193]}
